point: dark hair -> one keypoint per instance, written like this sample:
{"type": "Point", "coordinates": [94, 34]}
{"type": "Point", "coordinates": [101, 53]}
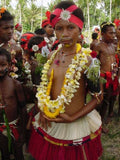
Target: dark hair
{"type": "Point", "coordinates": [25, 37]}
{"type": "Point", "coordinates": [64, 5]}
{"type": "Point", "coordinates": [6, 16]}
{"type": "Point", "coordinates": [105, 25]}
{"type": "Point", "coordinates": [40, 31]}
{"type": "Point", "coordinates": [94, 35]}
{"type": "Point", "coordinates": [35, 40]}
{"type": "Point", "coordinates": [5, 53]}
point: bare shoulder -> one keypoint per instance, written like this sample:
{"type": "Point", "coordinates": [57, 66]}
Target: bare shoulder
{"type": "Point", "coordinates": [99, 46]}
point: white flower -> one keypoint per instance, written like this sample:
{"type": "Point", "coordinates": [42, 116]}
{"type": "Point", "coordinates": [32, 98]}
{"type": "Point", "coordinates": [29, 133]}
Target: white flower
{"type": "Point", "coordinates": [65, 15]}
{"type": "Point", "coordinates": [46, 40]}
{"type": "Point", "coordinates": [35, 48]}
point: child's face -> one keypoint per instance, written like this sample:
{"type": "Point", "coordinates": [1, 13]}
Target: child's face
{"type": "Point", "coordinates": [6, 30]}
{"type": "Point", "coordinates": [67, 32]}
{"type": "Point", "coordinates": [49, 30]}
{"type": "Point", "coordinates": [109, 35]}
{"type": "Point", "coordinates": [4, 65]}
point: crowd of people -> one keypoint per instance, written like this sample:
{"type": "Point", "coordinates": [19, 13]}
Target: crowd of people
{"type": "Point", "coordinates": [56, 95]}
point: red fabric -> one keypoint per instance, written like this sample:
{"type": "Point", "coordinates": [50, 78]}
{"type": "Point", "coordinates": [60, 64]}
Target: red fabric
{"type": "Point", "coordinates": [17, 25]}
{"type": "Point", "coordinates": [117, 22]}
{"type": "Point", "coordinates": [25, 39]}
{"type": "Point", "coordinates": [72, 18]}
{"type": "Point", "coordinates": [44, 150]}
{"type": "Point", "coordinates": [40, 45]}
{"type": "Point", "coordinates": [48, 13]}
{"type": "Point", "coordinates": [117, 59]}
{"type": "Point", "coordinates": [110, 81]}
{"type": "Point", "coordinates": [12, 128]}
{"type": "Point", "coordinates": [93, 54]}
{"type": "Point", "coordinates": [45, 22]}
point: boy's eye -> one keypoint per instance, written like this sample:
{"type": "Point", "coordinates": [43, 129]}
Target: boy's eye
{"type": "Point", "coordinates": [71, 27]}
{"type": "Point", "coordinates": [58, 28]}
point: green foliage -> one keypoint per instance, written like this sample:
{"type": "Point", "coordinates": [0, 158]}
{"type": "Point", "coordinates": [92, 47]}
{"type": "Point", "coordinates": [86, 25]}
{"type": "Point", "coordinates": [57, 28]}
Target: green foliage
{"type": "Point", "coordinates": [31, 15]}
{"type": "Point", "coordinates": [41, 61]}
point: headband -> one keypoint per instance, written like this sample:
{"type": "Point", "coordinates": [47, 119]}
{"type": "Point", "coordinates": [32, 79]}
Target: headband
{"type": "Point", "coordinates": [66, 14]}
{"type": "Point", "coordinates": [17, 25]}
{"type": "Point", "coordinates": [36, 47]}
{"type": "Point", "coordinates": [45, 23]}
{"type": "Point", "coordinates": [24, 39]}
{"type": "Point", "coordinates": [107, 24]}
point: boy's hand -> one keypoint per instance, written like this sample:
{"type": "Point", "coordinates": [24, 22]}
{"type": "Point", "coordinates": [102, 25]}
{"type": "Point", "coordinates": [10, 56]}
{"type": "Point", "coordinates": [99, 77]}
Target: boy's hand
{"type": "Point", "coordinates": [43, 122]}
{"type": "Point", "coordinates": [63, 118]}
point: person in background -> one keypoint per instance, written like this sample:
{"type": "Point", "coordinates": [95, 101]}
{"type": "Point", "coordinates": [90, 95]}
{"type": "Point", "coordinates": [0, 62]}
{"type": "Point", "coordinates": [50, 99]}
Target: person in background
{"type": "Point", "coordinates": [13, 115]}
{"type": "Point", "coordinates": [61, 97]}
{"type": "Point", "coordinates": [50, 37]}
{"type": "Point", "coordinates": [18, 32]}
{"type": "Point", "coordinates": [40, 32]}
{"type": "Point", "coordinates": [109, 69]}
{"type": "Point", "coordinates": [6, 34]}
{"type": "Point", "coordinates": [34, 46]}
{"type": "Point", "coordinates": [94, 41]}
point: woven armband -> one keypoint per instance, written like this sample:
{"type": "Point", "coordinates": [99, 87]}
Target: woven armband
{"type": "Point", "coordinates": [97, 95]}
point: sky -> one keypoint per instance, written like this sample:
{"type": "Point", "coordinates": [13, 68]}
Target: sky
{"type": "Point", "coordinates": [38, 2]}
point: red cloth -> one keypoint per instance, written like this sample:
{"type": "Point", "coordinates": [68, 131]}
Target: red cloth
{"type": "Point", "coordinates": [41, 149]}
{"type": "Point", "coordinates": [25, 39]}
{"type": "Point", "coordinates": [110, 81]}
{"type": "Point", "coordinates": [45, 22]}
{"type": "Point", "coordinates": [17, 25]}
{"type": "Point", "coordinates": [12, 128]}
{"type": "Point", "coordinates": [117, 22]}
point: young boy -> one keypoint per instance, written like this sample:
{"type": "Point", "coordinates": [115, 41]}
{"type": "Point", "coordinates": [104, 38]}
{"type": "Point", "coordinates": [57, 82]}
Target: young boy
{"type": "Point", "coordinates": [12, 111]}
{"type": "Point", "coordinates": [109, 67]}
{"type": "Point", "coordinates": [6, 36]}
{"type": "Point", "coordinates": [61, 96]}
{"type": "Point", "coordinates": [94, 41]}
{"type": "Point", "coordinates": [50, 37]}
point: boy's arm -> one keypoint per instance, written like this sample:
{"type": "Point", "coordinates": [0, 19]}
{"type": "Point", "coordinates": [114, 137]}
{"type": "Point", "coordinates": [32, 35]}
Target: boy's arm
{"type": "Point", "coordinates": [21, 104]}
{"type": "Point", "coordinates": [82, 112]}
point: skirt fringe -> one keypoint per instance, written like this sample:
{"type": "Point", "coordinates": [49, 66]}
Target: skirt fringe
{"type": "Point", "coordinates": [42, 149]}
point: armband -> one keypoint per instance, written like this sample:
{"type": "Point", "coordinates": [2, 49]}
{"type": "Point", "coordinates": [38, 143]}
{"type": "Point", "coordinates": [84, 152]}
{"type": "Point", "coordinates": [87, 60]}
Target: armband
{"type": "Point", "coordinates": [96, 95]}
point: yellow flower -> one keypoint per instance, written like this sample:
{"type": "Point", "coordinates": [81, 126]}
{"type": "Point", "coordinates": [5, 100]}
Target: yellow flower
{"type": "Point", "coordinates": [52, 108]}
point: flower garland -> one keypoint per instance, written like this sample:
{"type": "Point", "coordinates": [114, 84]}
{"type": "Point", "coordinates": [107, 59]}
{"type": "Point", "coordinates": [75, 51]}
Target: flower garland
{"type": "Point", "coordinates": [53, 108]}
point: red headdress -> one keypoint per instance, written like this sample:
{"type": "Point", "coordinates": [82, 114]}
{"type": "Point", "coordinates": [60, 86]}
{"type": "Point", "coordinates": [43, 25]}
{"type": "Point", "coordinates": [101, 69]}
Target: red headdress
{"type": "Point", "coordinates": [46, 21]}
{"type": "Point", "coordinates": [24, 39]}
{"type": "Point", "coordinates": [36, 47]}
{"type": "Point", "coordinates": [17, 25]}
{"type": "Point", "coordinates": [117, 22]}
{"type": "Point", "coordinates": [66, 14]}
